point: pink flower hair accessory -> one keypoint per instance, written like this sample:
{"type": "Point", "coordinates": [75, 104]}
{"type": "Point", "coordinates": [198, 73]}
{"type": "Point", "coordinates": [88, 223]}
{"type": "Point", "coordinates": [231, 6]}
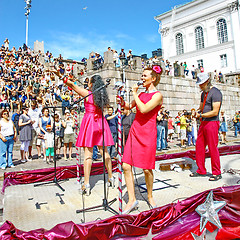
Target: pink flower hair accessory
{"type": "Point", "coordinates": [157, 69]}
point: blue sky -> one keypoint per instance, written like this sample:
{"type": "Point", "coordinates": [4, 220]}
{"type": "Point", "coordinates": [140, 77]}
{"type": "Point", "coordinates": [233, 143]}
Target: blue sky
{"type": "Point", "coordinates": [74, 28]}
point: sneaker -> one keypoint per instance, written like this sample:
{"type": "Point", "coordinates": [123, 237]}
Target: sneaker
{"type": "Point", "coordinates": [30, 157]}
{"type": "Point", "coordinates": [12, 166]}
{"type": "Point", "coordinates": [3, 168]}
{"type": "Point", "coordinates": [23, 160]}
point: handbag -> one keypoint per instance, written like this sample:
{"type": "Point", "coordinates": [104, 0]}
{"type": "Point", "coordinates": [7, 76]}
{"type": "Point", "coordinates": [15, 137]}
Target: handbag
{"type": "Point", "coordinates": [61, 133]}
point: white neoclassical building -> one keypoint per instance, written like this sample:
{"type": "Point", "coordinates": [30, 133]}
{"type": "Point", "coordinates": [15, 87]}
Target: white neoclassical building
{"type": "Point", "coordinates": [203, 32]}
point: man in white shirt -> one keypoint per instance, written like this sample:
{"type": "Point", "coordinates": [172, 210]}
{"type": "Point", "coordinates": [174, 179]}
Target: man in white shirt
{"type": "Point", "coordinates": [35, 114]}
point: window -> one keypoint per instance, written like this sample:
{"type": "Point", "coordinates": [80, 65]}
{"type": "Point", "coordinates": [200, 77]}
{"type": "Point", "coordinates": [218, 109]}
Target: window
{"type": "Point", "coordinates": [223, 59]}
{"type": "Point", "coordinates": [222, 31]}
{"type": "Point", "coordinates": [179, 44]}
{"type": "Point", "coordinates": [199, 37]}
{"type": "Point", "coordinates": [200, 63]}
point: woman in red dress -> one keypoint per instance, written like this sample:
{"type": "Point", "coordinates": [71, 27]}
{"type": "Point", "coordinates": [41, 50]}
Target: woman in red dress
{"type": "Point", "coordinates": [141, 144]}
{"type": "Point", "coordinates": [90, 133]}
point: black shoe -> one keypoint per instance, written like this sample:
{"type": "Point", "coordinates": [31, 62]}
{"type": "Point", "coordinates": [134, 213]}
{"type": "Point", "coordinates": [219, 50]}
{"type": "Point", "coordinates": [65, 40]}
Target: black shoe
{"type": "Point", "coordinates": [215, 177]}
{"type": "Point", "coordinates": [29, 157]}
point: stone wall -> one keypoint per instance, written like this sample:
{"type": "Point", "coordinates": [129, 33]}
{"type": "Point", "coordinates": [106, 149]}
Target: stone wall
{"type": "Point", "coordinates": [178, 93]}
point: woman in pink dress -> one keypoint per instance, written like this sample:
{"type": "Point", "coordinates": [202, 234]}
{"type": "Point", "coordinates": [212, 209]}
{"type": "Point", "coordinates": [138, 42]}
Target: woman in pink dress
{"type": "Point", "coordinates": [90, 133]}
{"type": "Point", "coordinates": [141, 144]}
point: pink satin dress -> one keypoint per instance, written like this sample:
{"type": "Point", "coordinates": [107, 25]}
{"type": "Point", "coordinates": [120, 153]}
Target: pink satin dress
{"type": "Point", "coordinates": [140, 149]}
{"type": "Point", "coordinates": [90, 133]}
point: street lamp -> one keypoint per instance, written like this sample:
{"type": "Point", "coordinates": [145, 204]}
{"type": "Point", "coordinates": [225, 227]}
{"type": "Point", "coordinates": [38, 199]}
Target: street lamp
{"type": "Point", "coordinates": [28, 6]}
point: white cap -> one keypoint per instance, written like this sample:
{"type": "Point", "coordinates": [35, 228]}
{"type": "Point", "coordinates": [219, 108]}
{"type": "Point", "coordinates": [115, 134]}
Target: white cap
{"type": "Point", "coordinates": [202, 78]}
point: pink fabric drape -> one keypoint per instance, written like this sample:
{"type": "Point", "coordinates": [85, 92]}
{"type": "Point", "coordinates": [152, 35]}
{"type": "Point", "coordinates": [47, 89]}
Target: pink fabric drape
{"type": "Point", "coordinates": [47, 174]}
{"type": "Point", "coordinates": [170, 222]}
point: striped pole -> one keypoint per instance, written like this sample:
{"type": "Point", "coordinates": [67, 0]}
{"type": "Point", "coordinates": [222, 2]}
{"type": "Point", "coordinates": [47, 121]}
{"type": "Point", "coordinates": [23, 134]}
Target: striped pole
{"type": "Point", "coordinates": [119, 154]}
{"type": "Point", "coordinates": [77, 149]}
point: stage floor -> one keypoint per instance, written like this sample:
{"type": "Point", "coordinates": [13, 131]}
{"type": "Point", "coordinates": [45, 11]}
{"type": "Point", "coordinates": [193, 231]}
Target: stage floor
{"type": "Point", "coordinates": [31, 207]}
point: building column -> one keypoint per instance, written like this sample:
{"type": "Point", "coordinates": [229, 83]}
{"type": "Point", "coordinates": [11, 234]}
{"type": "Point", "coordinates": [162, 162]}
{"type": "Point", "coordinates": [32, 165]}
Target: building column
{"type": "Point", "coordinates": [235, 25]}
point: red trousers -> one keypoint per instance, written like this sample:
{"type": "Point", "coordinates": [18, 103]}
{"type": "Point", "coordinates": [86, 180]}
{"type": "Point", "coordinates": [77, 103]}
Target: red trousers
{"type": "Point", "coordinates": [208, 135]}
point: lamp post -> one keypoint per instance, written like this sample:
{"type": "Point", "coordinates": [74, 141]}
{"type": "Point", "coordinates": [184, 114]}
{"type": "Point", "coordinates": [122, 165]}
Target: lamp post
{"type": "Point", "coordinates": [28, 6]}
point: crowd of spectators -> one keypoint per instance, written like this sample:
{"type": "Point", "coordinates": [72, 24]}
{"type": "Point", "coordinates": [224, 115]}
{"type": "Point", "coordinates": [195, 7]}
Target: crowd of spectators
{"type": "Point", "coordinates": [177, 69]}
{"type": "Point", "coordinates": [124, 60]}
{"type": "Point", "coordinates": [184, 127]}
{"type": "Point", "coordinates": [28, 87]}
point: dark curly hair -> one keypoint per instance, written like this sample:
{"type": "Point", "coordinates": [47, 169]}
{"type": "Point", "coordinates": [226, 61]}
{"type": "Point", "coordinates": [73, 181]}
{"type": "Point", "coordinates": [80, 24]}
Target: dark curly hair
{"type": "Point", "coordinates": [97, 82]}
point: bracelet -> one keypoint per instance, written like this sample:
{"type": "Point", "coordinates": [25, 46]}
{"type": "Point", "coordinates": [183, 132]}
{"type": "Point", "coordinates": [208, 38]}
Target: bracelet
{"type": "Point", "coordinates": [65, 81]}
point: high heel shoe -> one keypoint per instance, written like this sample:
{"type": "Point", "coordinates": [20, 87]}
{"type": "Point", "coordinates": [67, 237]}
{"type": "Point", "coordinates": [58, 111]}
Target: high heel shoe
{"type": "Point", "coordinates": [152, 207]}
{"type": "Point", "coordinates": [111, 182]}
{"type": "Point", "coordinates": [85, 190]}
{"type": "Point", "coordinates": [134, 206]}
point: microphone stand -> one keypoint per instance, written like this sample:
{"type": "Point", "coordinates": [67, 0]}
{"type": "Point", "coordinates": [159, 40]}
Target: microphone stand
{"type": "Point", "coordinates": [55, 180]}
{"type": "Point", "coordinates": [105, 204]}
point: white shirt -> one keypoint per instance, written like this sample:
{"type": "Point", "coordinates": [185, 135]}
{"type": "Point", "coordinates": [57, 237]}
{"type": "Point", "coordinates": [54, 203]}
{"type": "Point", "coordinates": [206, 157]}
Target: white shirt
{"type": "Point", "coordinates": [69, 127]}
{"type": "Point", "coordinates": [6, 128]}
{"type": "Point", "coordinates": [34, 115]}
{"type": "Point", "coordinates": [49, 137]}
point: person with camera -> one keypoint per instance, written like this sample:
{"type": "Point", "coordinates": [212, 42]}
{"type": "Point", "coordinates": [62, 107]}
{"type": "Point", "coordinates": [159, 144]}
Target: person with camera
{"type": "Point", "coordinates": [190, 130]}
{"type": "Point", "coordinates": [112, 120]}
{"type": "Point", "coordinates": [236, 123]}
{"type": "Point", "coordinates": [45, 120]}
{"type": "Point", "coordinates": [160, 131]}
{"type": "Point", "coordinates": [68, 124]}
{"type": "Point", "coordinates": [66, 98]}
{"type": "Point", "coordinates": [210, 104]}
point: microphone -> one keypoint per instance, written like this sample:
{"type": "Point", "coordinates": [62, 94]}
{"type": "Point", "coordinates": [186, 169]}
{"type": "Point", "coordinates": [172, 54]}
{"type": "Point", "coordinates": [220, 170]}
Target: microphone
{"type": "Point", "coordinates": [108, 81]}
{"type": "Point", "coordinates": [63, 77]}
{"type": "Point", "coordinates": [139, 83]}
